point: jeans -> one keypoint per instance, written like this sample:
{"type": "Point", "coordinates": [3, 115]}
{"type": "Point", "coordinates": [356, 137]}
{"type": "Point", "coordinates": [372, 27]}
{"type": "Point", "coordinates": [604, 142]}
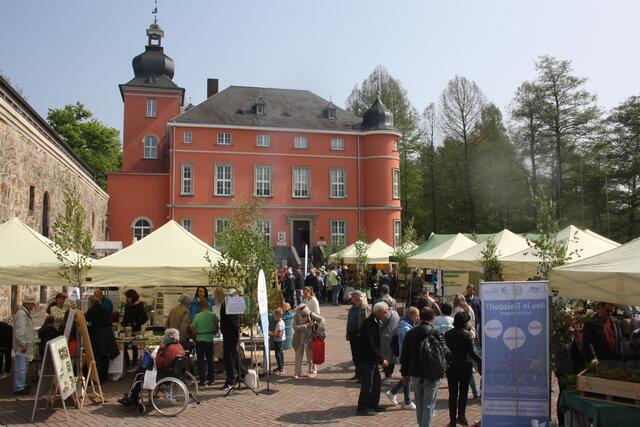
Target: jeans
{"type": "Point", "coordinates": [277, 346]}
{"type": "Point", "coordinates": [20, 364]}
{"type": "Point", "coordinates": [335, 294]}
{"type": "Point", "coordinates": [405, 389]}
{"type": "Point", "coordinates": [474, 386]}
{"type": "Point", "coordinates": [134, 352]}
{"type": "Point", "coordinates": [425, 392]}
{"type": "Point", "coordinates": [370, 384]}
{"type": "Point", "coordinates": [204, 349]}
{"type": "Point", "coordinates": [458, 379]}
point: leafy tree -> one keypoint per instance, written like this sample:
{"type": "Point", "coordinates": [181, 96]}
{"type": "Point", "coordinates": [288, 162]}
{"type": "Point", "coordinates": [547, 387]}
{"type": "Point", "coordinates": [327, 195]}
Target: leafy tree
{"type": "Point", "coordinates": [428, 161]}
{"type": "Point", "coordinates": [72, 238]}
{"type": "Point", "coordinates": [408, 242]}
{"type": "Point", "coordinates": [92, 141]}
{"type": "Point", "coordinates": [490, 263]}
{"type": "Point", "coordinates": [362, 260]}
{"type": "Point", "coordinates": [461, 106]}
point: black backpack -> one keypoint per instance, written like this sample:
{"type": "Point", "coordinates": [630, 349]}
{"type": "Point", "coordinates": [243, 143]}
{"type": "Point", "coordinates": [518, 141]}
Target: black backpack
{"type": "Point", "coordinates": [433, 361]}
{"type": "Point", "coordinates": [395, 345]}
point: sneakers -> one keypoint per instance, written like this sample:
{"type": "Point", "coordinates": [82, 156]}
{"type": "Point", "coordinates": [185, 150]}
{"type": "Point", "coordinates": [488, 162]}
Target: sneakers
{"type": "Point", "coordinates": [296, 377]}
{"type": "Point", "coordinates": [392, 397]}
{"type": "Point", "coordinates": [410, 406]}
{"type": "Point", "coordinates": [386, 381]}
{"type": "Point", "coordinates": [312, 375]}
{"type": "Point", "coordinates": [227, 386]}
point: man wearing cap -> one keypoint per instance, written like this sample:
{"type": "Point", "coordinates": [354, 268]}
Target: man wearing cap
{"type": "Point", "coordinates": [23, 338]}
{"type": "Point", "coordinates": [358, 313]}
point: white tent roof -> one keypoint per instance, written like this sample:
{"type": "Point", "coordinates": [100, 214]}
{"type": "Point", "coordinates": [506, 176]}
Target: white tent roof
{"type": "Point", "coordinates": [26, 256]}
{"type": "Point", "coordinates": [378, 252]}
{"type": "Point", "coordinates": [170, 256]}
{"type": "Point", "coordinates": [431, 258]}
{"type": "Point", "coordinates": [581, 244]}
{"type": "Point", "coordinates": [612, 276]}
{"type": "Point", "coordinates": [507, 243]}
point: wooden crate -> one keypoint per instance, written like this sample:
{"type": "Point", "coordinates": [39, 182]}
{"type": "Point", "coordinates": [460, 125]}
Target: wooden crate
{"type": "Point", "coordinates": [609, 390]}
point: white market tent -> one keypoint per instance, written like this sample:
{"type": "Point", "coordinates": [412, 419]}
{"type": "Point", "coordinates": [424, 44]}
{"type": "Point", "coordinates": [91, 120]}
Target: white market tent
{"type": "Point", "coordinates": [169, 256]}
{"type": "Point", "coordinates": [581, 244]}
{"type": "Point", "coordinates": [507, 243]}
{"type": "Point", "coordinates": [432, 257]}
{"type": "Point", "coordinates": [612, 276]}
{"type": "Point", "coordinates": [378, 252]}
{"type": "Point", "coordinates": [27, 257]}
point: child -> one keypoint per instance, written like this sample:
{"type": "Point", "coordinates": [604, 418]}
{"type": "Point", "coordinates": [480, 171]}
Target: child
{"type": "Point", "coordinates": [279, 336]}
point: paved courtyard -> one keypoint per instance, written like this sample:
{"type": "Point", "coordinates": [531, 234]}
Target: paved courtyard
{"type": "Point", "coordinates": [329, 399]}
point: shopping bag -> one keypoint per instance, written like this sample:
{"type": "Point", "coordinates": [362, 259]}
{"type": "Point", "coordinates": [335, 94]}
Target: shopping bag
{"type": "Point", "coordinates": [251, 378]}
{"type": "Point", "coordinates": [150, 376]}
{"type": "Point", "coordinates": [317, 350]}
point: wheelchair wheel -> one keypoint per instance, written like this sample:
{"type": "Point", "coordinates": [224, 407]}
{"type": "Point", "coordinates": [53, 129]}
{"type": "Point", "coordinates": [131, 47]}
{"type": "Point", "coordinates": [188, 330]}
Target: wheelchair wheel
{"type": "Point", "coordinates": [191, 382]}
{"type": "Point", "coordinates": [141, 409]}
{"type": "Point", "coordinates": [170, 397]}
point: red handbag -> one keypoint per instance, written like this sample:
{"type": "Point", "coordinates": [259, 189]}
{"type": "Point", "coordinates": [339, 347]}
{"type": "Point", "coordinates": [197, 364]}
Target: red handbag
{"type": "Point", "coordinates": [317, 350]}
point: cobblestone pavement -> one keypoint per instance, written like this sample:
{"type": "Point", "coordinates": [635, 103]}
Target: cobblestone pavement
{"type": "Point", "coordinates": [328, 399]}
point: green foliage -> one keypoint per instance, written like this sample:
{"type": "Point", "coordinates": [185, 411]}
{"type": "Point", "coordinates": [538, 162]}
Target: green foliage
{"type": "Point", "coordinates": [92, 141]}
{"type": "Point", "coordinates": [244, 253]}
{"type": "Point", "coordinates": [72, 238]}
{"type": "Point", "coordinates": [551, 251]}
{"type": "Point", "coordinates": [362, 260]}
{"type": "Point", "coordinates": [489, 261]}
{"type": "Point", "coordinates": [409, 240]}
{"type": "Point", "coordinates": [338, 249]}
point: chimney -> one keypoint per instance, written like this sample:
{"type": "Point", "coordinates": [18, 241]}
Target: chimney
{"type": "Point", "coordinates": [212, 87]}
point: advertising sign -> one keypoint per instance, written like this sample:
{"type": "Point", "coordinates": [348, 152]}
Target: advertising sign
{"type": "Point", "coordinates": [515, 354]}
{"type": "Point", "coordinates": [455, 282]}
{"type": "Point", "coordinates": [236, 305]}
{"type": "Point", "coordinates": [263, 307]}
{"type": "Point", "coordinates": [62, 366]}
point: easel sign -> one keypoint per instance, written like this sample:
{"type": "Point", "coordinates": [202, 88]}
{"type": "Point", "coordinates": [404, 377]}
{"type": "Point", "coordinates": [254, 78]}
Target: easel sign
{"type": "Point", "coordinates": [57, 367]}
{"type": "Point", "coordinates": [88, 359]}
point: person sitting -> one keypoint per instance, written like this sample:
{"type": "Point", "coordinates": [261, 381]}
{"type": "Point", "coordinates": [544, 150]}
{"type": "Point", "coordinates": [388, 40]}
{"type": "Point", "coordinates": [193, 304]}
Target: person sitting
{"type": "Point", "coordinates": [168, 352]}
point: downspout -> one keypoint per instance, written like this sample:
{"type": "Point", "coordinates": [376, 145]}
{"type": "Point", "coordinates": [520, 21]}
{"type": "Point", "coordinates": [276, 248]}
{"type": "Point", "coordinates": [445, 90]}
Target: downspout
{"type": "Point", "coordinates": [359, 204]}
{"type": "Point", "coordinates": [173, 175]}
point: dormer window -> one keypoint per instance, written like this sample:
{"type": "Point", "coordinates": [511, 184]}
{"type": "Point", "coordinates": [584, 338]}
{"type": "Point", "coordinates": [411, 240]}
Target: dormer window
{"type": "Point", "coordinates": [260, 106]}
{"type": "Point", "coordinates": [331, 111]}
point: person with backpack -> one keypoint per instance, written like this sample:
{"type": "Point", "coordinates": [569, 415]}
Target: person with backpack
{"type": "Point", "coordinates": [460, 342]}
{"type": "Point", "coordinates": [405, 324]}
{"type": "Point", "coordinates": [424, 362]}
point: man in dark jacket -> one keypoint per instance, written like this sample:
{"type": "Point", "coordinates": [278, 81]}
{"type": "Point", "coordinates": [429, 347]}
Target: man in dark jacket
{"type": "Point", "coordinates": [603, 338]}
{"type": "Point", "coordinates": [230, 328]}
{"type": "Point", "coordinates": [290, 287]}
{"type": "Point", "coordinates": [369, 357]}
{"type": "Point", "coordinates": [299, 284]}
{"type": "Point", "coordinates": [425, 390]}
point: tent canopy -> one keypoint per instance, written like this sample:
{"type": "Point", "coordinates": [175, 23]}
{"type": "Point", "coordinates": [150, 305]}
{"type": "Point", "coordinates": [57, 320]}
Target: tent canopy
{"type": "Point", "coordinates": [431, 258]}
{"type": "Point", "coordinates": [169, 256]}
{"type": "Point", "coordinates": [507, 243]}
{"type": "Point", "coordinates": [378, 252]}
{"type": "Point", "coordinates": [581, 244]}
{"type": "Point", "coordinates": [27, 257]}
{"type": "Point", "coordinates": [612, 276]}
{"type": "Point", "coordinates": [438, 239]}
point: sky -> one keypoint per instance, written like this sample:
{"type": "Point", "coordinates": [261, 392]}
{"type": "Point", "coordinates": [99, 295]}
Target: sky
{"type": "Point", "coordinates": [64, 51]}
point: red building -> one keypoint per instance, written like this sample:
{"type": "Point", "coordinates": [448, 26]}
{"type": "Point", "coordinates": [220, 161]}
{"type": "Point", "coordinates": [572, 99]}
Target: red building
{"type": "Point", "coordinates": [323, 173]}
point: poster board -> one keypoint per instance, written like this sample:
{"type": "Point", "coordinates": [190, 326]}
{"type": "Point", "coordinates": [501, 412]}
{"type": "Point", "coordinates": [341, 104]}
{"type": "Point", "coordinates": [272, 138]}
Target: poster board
{"type": "Point", "coordinates": [515, 353]}
{"type": "Point", "coordinates": [69, 325]}
{"type": "Point", "coordinates": [263, 307]}
{"type": "Point", "coordinates": [236, 305]}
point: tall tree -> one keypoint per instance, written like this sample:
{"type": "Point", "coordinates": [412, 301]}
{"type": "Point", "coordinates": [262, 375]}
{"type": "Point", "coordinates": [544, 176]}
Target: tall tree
{"type": "Point", "coordinates": [92, 141]}
{"type": "Point", "coordinates": [569, 113]}
{"type": "Point", "coordinates": [461, 106]}
{"type": "Point", "coordinates": [428, 159]}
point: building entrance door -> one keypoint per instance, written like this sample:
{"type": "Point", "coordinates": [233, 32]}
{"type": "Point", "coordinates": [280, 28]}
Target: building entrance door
{"type": "Point", "coordinates": [301, 232]}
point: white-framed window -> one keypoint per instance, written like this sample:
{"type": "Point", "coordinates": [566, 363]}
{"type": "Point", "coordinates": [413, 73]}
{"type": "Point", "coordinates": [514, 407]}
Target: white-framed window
{"type": "Point", "coordinates": [188, 137]}
{"type": "Point", "coordinates": [263, 181]}
{"type": "Point", "coordinates": [300, 142]}
{"type": "Point", "coordinates": [186, 224]}
{"type": "Point", "coordinates": [264, 227]}
{"type": "Point", "coordinates": [338, 180]}
{"type": "Point", "coordinates": [220, 224]}
{"type": "Point", "coordinates": [186, 185]}
{"type": "Point", "coordinates": [224, 138]}
{"type": "Point", "coordinates": [338, 230]}
{"type": "Point", "coordinates": [395, 145]}
{"type": "Point", "coordinates": [224, 180]}
{"type": "Point", "coordinates": [395, 183]}
{"type": "Point", "coordinates": [151, 107]}
{"type": "Point", "coordinates": [141, 228]}
{"type": "Point", "coordinates": [397, 232]}
{"type": "Point", "coordinates": [337, 144]}
{"type": "Point", "coordinates": [260, 109]}
{"type": "Point", "coordinates": [300, 182]}
{"type": "Point", "coordinates": [263, 140]}
{"type": "Point", "coordinates": [150, 147]}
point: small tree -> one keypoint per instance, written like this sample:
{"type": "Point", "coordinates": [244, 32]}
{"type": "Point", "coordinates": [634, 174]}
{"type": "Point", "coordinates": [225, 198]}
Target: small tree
{"type": "Point", "coordinates": [489, 260]}
{"type": "Point", "coordinates": [339, 252]}
{"type": "Point", "coordinates": [362, 259]}
{"type": "Point", "coordinates": [406, 245]}
{"type": "Point", "coordinates": [72, 238]}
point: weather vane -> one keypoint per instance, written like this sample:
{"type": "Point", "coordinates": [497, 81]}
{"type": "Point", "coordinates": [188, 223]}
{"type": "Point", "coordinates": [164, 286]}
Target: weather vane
{"type": "Point", "coordinates": [155, 12]}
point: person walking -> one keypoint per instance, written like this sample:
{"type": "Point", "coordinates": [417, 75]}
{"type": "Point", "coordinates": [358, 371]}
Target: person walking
{"type": "Point", "coordinates": [460, 369]}
{"type": "Point", "coordinates": [388, 328]}
{"type": "Point", "coordinates": [333, 285]}
{"type": "Point", "coordinates": [425, 387]}
{"type": "Point", "coordinates": [180, 318]}
{"type": "Point", "coordinates": [405, 324]}
{"type": "Point", "coordinates": [358, 313]}
{"type": "Point", "coordinates": [101, 336]}
{"type": "Point", "coordinates": [306, 324]}
{"type": "Point", "coordinates": [369, 358]}
{"type": "Point", "coordinates": [205, 325]}
{"type": "Point", "coordinates": [134, 316]}
{"type": "Point", "coordinates": [23, 339]}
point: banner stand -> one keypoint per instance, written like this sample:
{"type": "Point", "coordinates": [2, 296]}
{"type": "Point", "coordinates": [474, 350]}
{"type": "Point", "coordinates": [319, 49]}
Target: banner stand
{"type": "Point", "coordinates": [89, 359]}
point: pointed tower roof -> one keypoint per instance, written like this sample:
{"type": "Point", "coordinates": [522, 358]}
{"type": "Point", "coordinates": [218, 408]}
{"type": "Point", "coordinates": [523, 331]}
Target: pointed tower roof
{"type": "Point", "coordinates": [377, 117]}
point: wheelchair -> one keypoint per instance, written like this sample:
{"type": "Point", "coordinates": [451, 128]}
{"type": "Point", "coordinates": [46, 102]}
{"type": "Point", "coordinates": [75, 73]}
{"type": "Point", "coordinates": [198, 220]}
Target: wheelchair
{"type": "Point", "coordinates": [175, 388]}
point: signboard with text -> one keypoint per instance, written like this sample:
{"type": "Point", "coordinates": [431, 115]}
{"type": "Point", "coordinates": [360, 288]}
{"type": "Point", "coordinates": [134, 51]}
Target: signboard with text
{"type": "Point", "coordinates": [515, 354]}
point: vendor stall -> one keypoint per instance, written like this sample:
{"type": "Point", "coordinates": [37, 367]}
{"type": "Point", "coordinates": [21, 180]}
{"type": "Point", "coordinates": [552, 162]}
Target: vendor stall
{"type": "Point", "coordinates": [378, 252]}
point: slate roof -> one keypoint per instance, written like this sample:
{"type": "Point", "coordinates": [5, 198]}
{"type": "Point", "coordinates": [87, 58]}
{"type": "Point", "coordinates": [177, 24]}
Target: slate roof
{"type": "Point", "coordinates": [286, 108]}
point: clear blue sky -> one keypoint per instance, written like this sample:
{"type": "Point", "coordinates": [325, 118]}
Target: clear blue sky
{"type": "Point", "coordinates": [63, 51]}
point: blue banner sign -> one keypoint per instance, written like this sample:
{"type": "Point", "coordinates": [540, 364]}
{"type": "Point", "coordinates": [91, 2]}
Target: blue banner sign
{"type": "Point", "coordinates": [515, 354]}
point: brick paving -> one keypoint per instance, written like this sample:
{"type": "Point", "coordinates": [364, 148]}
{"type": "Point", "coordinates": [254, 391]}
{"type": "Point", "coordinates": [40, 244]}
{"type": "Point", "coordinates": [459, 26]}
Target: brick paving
{"type": "Point", "coordinates": [329, 399]}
